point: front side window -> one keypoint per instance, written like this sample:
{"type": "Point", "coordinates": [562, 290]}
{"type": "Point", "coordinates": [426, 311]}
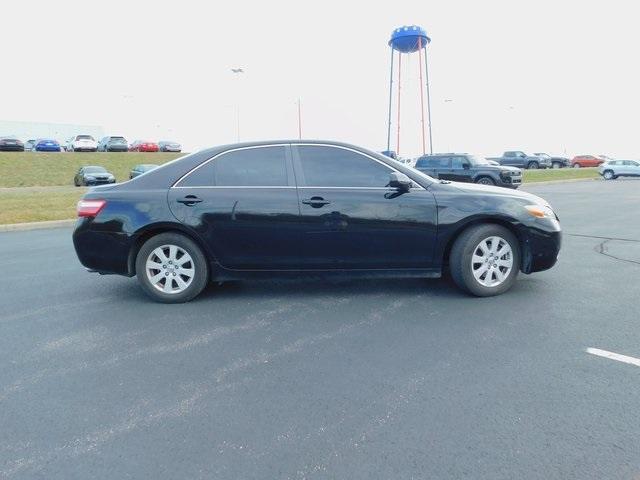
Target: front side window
{"type": "Point", "coordinates": [337, 167]}
{"type": "Point", "coordinates": [254, 167]}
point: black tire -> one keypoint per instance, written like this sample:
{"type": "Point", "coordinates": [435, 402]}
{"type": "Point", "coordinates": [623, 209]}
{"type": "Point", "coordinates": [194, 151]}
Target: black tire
{"type": "Point", "coordinates": [200, 267]}
{"type": "Point", "coordinates": [576, 165]}
{"type": "Point", "coordinates": [556, 165]}
{"type": "Point", "coordinates": [463, 249]}
{"type": "Point", "coordinates": [485, 181]}
{"type": "Point", "coordinates": [609, 175]}
{"type": "Point", "coordinates": [533, 165]}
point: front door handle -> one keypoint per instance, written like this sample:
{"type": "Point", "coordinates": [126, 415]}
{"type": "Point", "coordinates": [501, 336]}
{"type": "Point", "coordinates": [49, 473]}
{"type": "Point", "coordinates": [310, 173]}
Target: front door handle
{"type": "Point", "coordinates": [316, 202]}
{"type": "Point", "coordinates": [189, 200]}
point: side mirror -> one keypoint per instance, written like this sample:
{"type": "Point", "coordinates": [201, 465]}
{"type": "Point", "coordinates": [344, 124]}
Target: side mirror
{"type": "Point", "coordinates": [400, 181]}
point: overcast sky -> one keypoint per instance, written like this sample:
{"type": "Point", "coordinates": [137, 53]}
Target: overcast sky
{"type": "Point", "coordinates": [556, 76]}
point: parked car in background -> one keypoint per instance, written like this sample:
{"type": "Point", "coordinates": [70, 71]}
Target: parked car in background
{"type": "Point", "coordinates": [81, 143]}
{"type": "Point", "coordinates": [47, 145]}
{"type": "Point", "coordinates": [587, 161]}
{"type": "Point", "coordinates": [11, 144]}
{"type": "Point", "coordinates": [29, 145]}
{"type": "Point", "coordinates": [619, 168]}
{"type": "Point", "coordinates": [308, 208]}
{"type": "Point", "coordinates": [463, 167]}
{"type": "Point", "coordinates": [522, 160]}
{"type": "Point", "coordinates": [556, 162]}
{"type": "Point", "coordinates": [93, 175]}
{"type": "Point", "coordinates": [140, 169]}
{"type": "Point", "coordinates": [167, 146]}
{"type": "Point", "coordinates": [113, 144]}
{"type": "Point", "coordinates": [143, 146]}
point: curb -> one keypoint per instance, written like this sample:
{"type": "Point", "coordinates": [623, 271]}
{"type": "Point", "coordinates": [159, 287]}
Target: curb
{"type": "Point", "coordinates": [19, 227]}
{"type": "Point", "coordinates": [568, 180]}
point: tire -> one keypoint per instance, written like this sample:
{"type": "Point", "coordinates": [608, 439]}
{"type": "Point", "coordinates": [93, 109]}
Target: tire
{"type": "Point", "coordinates": [166, 243]}
{"type": "Point", "coordinates": [464, 249]}
{"type": "Point", "coordinates": [533, 165]}
{"type": "Point", "coordinates": [485, 181]}
{"type": "Point", "coordinates": [576, 165]}
{"type": "Point", "coordinates": [556, 165]}
{"type": "Point", "coordinates": [609, 175]}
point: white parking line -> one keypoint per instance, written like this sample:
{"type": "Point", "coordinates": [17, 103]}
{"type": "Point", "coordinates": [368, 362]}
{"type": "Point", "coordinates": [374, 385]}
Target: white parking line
{"type": "Point", "coordinates": [614, 356]}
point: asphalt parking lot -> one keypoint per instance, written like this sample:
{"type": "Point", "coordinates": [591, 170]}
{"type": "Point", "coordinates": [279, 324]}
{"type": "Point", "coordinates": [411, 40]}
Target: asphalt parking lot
{"type": "Point", "coordinates": [352, 379]}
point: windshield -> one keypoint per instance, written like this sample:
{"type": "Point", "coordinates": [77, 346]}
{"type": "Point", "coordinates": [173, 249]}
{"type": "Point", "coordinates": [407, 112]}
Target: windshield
{"type": "Point", "coordinates": [95, 170]}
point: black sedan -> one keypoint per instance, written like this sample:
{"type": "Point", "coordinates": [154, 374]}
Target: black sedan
{"type": "Point", "coordinates": [140, 169]}
{"type": "Point", "coordinates": [308, 208]}
{"type": "Point", "coordinates": [93, 175]}
{"type": "Point", "coordinates": [11, 144]}
{"type": "Point", "coordinates": [462, 167]}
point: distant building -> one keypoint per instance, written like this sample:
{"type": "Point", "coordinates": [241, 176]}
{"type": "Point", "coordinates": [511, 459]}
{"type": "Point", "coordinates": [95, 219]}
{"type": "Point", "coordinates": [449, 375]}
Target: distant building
{"type": "Point", "coordinates": [57, 131]}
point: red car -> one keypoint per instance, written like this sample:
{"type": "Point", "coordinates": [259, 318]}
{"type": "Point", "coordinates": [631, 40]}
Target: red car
{"type": "Point", "coordinates": [588, 161]}
{"type": "Point", "coordinates": [143, 146]}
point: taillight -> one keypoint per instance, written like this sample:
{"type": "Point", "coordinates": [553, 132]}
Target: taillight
{"type": "Point", "coordinates": [90, 208]}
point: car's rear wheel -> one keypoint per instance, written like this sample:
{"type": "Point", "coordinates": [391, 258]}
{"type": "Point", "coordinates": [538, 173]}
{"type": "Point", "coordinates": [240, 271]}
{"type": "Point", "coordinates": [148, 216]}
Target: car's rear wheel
{"type": "Point", "coordinates": [171, 268]}
{"type": "Point", "coordinates": [556, 165]}
{"type": "Point", "coordinates": [533, 165]}
{"type": "Point", "coordinates": [485, 260]}
{"type": "Point", "coordinates": [485, 181]}
{"type": "Point", "coordinates": [608, 175]}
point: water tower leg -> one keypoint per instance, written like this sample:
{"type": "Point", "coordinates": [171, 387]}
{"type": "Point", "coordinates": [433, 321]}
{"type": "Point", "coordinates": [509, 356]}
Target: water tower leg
{"type": "Point", "coordinates": [390, 103]}
{"type": "Point", "coordinates": [424, 148]}
{"type": "Point", "coordinates": [399, 89]}
{"type": "Point", "coordinates": [426, 71]}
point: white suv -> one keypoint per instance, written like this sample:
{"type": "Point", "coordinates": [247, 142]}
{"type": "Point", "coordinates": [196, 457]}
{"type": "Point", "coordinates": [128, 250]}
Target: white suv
{"type": "Point", "coordinates": [81, 143]}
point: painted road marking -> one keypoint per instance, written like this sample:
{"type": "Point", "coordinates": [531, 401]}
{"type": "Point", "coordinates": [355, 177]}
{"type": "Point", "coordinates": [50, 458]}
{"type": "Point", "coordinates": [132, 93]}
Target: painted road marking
{"type": "Point", "coordinates": [614, 356]}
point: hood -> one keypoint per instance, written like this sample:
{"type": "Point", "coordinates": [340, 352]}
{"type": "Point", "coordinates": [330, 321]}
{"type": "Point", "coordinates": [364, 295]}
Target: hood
{"type": "Point", "coordinates": [478, 189]}
{"type": "Point", "coordinates": [498, 168]}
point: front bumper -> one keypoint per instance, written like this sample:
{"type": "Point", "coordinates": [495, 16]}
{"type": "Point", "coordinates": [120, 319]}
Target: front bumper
{"type": "Point", "coordinates": [48, 149]}
{"type": "Point", "coordinates": [541, 244]}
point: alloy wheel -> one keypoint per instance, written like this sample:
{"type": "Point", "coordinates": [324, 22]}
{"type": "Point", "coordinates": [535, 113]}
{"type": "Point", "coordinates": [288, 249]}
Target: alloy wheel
{"type": "Point", "coordinates": [492, 261]}
{"type": "Point", "coordinates": [170, 269]}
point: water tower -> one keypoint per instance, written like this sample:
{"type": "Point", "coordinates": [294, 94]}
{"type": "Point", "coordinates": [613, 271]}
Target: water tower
{"type": "Point", "coordinates": [407, 40]}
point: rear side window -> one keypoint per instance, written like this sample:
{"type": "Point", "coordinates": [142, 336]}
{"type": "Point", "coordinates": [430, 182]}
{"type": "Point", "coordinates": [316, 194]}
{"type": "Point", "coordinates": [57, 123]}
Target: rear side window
{"type": "Point", "coordinates": [337, 167]}
{"type": "Point", "coordinates": [434, 162]}
{"type": "Point", "coordinates": [254, 167]}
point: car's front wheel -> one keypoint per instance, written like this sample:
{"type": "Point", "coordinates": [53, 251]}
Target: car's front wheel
{"type": "Point", "coordinates": [576, 165]}
{"type": "Point", "coordinates": [485, 181]}
{"type": "Point", "coordinates": [608, 175]}
{"type": "Point", "coordinates": [171, 268]}
{"type": "Point", "coordinates": [485, 260]}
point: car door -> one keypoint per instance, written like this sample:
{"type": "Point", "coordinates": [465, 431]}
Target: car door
{"type": "Point", "coordinates": [244, 206]}
{"type": "Point", "coordinates": [631, 168]}
{"type": "Point", "coordinates": [351, 219]}
{"type": "Point", "coordinates": [460, 169]}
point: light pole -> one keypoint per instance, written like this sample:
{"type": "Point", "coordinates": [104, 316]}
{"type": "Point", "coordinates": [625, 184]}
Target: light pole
{"type": "Point", "coordinates": [299, 120]}
{"type": "Point", "coordinates": [237, 72]}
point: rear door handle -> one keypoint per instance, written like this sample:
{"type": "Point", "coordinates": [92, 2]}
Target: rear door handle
{"type": "Point", "coordinates": [316, 202]}
{"type": "Point", "coordinates": [189, 200]}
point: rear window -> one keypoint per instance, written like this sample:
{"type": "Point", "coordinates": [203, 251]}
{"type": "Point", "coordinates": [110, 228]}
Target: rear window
{"type": "Point", "coordinates": [254, 167]}
{"type": "Point", "coordinates": [117, 140]}
{"type": "Point", "coordinates": [84, 137]}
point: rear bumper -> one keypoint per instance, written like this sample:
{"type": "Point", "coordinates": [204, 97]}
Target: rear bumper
{"type": "Point", "coordinates": [100, 249]}
{"type": "Point", "coordinates": [48, 149]}
{"type": "Point", "coordinates": [116, 148]}
{"type": "Point", "coordinates": [11, 148]}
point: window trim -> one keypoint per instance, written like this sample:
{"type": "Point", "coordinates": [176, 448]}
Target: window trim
{"type": "Point", "coordinates": [298, 167]}
{"type": "Point", "coordinates": [288, 167]}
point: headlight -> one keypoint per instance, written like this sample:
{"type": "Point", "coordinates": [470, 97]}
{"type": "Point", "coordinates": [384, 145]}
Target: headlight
{"type": "Point", "coordinates": [540, 211]}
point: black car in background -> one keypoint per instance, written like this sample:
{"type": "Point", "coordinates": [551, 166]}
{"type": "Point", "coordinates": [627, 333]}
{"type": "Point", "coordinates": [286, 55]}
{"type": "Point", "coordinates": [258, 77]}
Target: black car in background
{"type": "Point", "coordinates": [11, 144]}
{"type": "Point", "coordinates": [140, 169]}
{"type": "Point", "coordinates": [462, 167]}
{"type": "Point", "coordinates": [113, 144]}
{"type": "Point", "coordinates": [93, 175]}
{"type": "Point", "coordinates": [299, 208]}
{"type": "Point", "coordinates": [168, 146]}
